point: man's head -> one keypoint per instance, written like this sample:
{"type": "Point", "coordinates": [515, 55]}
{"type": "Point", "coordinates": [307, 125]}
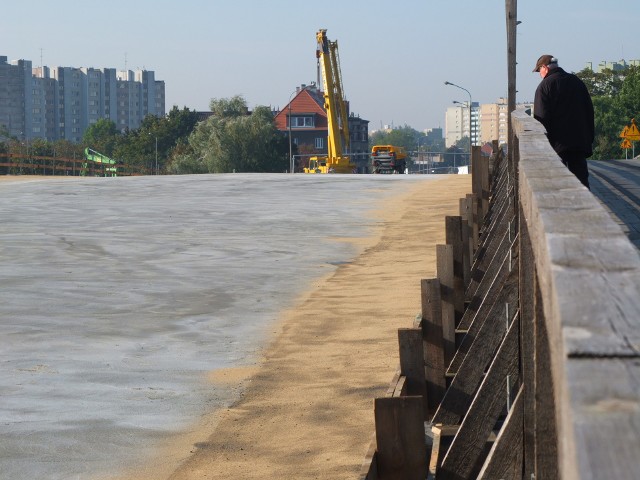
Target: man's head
{"type": "Point", "coordinates": [545, 63]}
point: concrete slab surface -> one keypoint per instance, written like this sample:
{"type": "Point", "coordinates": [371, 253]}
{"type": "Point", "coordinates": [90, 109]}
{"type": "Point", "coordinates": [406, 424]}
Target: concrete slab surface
{"type": "Point", "coordinates": [120, 295]}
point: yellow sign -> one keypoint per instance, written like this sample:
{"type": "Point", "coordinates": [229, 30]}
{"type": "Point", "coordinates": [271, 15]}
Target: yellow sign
{"type": "Point", "coordinates": [631, 132]}
{"type": "Point", "coordinates": [625, 144]}
{"type": "Point", "coordinates": [624, 132]}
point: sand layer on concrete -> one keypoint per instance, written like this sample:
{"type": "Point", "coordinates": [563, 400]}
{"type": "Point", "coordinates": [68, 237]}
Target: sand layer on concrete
{"type": "Point", "coordinates": [306, 409]}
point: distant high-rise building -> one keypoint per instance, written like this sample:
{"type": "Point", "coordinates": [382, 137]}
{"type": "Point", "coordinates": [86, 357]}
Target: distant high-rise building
{"type": "Point", "coordinates": [493, 121]}
{"type": "Point", "coordinates": [488, 122]}
{"type": "Point", "coordinates": [61, 102]}
{"type": "Point", "coordinates": [457, 123]}
{"type": "Point", "coordinates": [614, 66]}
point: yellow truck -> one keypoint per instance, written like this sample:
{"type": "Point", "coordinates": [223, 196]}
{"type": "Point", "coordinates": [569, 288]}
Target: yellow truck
{"type": "Point", "coordinates": [388, 159]}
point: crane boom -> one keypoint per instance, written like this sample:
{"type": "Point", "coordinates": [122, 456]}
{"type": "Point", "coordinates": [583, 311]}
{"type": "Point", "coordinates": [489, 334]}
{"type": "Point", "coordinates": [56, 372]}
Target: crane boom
{"type": "Point", "coordinates": [335, 105]}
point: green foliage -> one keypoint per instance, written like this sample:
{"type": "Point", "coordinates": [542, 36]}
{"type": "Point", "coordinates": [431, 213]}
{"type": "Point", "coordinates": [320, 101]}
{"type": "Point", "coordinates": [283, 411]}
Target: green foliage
{"type": "Point", "coordinates": [101, 136]}
{"type": "Point", "coordinates": [234, 140]}
{"type": "Point", "coordinates": [463, 144]}
{"type": "Point", "coordinates": [605, 83]}
{"type": "Point", "coordinates": [616, 100]}
{"type": "Point", "coordinates": [138, 147]}
{"type": "Point", "coordinates": [406, 137]}
{"type": "Point", "coordinates": [67, 149]}
{"type": "Point", "coordinates": [40, 147]}
{"type": "Point", "coordinates": [229, 107]}
{"type": "Point", "coordinates": [4, 133]}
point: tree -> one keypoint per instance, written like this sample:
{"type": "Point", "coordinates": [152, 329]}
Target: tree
{"type": "Point", "coordinates": [235, 140]}
{"type": "Point", "coordinates": [462, 144]}
{"type": "Point", "coordinates": [101, 136]}
{"type": "Point", "coordinates": [404, 136]}
{"type": "Point", "coordinates": [616, 100]}
{"type": "Point", "coordinates": [229, 107]}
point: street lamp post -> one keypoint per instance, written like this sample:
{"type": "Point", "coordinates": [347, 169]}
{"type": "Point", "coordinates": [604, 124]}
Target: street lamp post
{"type": "Point", "coordinates": [156, 155]}
{"type": "Point", "coordinates": [470, 124]}
{"type": "Point", "coordinates": [156, 137]}
{"type": "Point", "coordinates": [465, 105]}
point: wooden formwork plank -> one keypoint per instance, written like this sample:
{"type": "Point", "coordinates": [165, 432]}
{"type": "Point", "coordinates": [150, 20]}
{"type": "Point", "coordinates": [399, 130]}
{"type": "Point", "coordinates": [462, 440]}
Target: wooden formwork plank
{"type": "Point", "coordinates": [394, 382]}
{"type": "Point", "coordinates": [401, 387]}
{"type": "Point", "coordinates": [493, 276]}
{"type": "Point", "coordinates": [442, 437]}
{"type": "Point", "coordinates": [400, 428]}
{"type": "Point", "coordinates": [444, 266]}
{"type": "Point", "coordinates": [506, 456]}
{"type": "Point", "coordinates": [369, 468]}
{"type": "Point", "coordinates": [464, 457]}
{"type": "Point", "coordinates": [436, 457]}
{"type": "Point", "coordinates": [502, 192]}
{"type": "Point", "coordinates": [484, 254]}
{"type": "Point", "coordinates": [546, 429]}
{"type": "Point", "coordinates": [472, 369]}
{"type": "Point", "coordinates": [433, 342]}
{"type": "Point", "coordinates": [499, 195]}
{"type": "Point", "coordinates": [527, 273]}
{"type": "Point", "coordinates": [503, 290]}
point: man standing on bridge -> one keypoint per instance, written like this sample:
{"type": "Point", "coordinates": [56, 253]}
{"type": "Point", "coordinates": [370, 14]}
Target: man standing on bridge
{"type": "Point", "coordinates": [563, 105]}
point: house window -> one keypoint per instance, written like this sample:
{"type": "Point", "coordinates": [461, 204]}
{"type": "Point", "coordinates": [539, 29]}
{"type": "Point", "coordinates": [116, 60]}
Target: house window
{"type": "Point", "coordinates": [319, 143]}
{"type": "Point", "coordinates": [301, 122]}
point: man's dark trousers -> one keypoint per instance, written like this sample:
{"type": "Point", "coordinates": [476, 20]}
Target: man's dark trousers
{"type": "Point", "coordinates": [576, 162]}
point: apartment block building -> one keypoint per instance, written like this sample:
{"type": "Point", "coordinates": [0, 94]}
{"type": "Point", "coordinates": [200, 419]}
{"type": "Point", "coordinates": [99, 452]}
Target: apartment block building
{"type": "Point", "coordinates": [488, 122]}
{"type": "Point", "coordinates": [493, 122]}
{"type": "Point", "coordinates": [61, 102]}
{"type": "Point", "coordinates": [616, 66]}
{"type": "Point", "coordinates": [457, 123]}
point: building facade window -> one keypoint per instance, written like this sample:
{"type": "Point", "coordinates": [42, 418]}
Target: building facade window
{"type": "Point", "coordinates": [319, 143]}
{"type": "Point", "coordinates": [302, 122]}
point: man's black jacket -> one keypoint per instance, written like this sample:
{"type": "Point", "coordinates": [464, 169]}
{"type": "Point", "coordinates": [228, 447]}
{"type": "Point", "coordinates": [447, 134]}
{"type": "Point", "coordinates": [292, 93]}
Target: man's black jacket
{"type": "Point", "coordinates": [563, 105]}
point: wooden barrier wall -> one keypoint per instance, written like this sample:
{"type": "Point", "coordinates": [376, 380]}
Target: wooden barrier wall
{"type": "Point", "coordinates": [16, 164]}
{"type": "Point", "coordinates": [524, 362]}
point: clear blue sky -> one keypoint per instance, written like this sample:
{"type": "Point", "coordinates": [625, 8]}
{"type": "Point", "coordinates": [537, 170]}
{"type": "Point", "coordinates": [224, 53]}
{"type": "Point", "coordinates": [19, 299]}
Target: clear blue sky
{"type": "Point", "coordinates": [395, 56]}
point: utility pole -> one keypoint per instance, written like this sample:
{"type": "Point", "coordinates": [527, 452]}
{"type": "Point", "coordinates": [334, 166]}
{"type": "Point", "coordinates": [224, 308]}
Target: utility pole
{"type": "Point", "coordinates": [511, 11]}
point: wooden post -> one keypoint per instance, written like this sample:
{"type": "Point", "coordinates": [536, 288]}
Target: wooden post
{"type": "Point", "coordinates": [402, 451]}
{"type": "Point", "coordinates": [484, 181]}
{"type": "Point", "coordinates": [475, 223]}
{"type": "Point", "coordinates": [465, 211]}
{"type": "Point", "coordinates": [472, 248]}
{"type": "Point", "coordinates": [433, 342]}
{"type": "Point", "coordinates": [453, 232]}
{"type": "Point", "coordinates": [444, 260]}
{"type": "Point", "coordinates": [511, 14]}
{"type": "Point", "coordinates": [412, 364]}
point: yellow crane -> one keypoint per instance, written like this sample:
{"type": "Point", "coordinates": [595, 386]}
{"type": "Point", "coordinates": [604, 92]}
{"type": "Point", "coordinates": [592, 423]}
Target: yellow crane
{"type": "Point", "coordinates": [336, 160]}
